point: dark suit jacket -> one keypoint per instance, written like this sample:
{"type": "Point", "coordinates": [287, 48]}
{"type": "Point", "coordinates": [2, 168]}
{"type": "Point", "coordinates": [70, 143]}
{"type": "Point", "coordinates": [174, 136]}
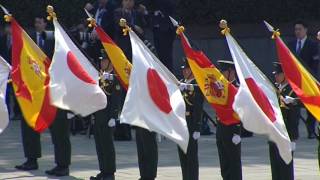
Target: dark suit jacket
{"type": "Point", "coordinates": [135, 18]}
{"type": "Point", "coordinates": [309, 55]}
{"type": "Point", "coordinates": [107, 18]}
{"type": "Point", "coordinates": [48, 48]}
{"type": "Point", "coordinates": [5, 50]}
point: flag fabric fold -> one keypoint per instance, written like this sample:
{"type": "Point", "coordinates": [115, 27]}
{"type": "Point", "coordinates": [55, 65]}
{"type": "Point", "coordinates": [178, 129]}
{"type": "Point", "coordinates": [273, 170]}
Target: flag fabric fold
{"type": "Point", "coordinates": [121, 64]}
{"type": "Point", "coordinates": [153, 100]}
{"type": "Point", "coordinates": [306, 87]}
{"type": "Point", "coordinates": [75, 82]}
{"type": "Point", "coordinates": [30, 79]}
{"type": "Point", "coordinates": [218, 91]}
{"type": "Point", "coordinates": [256, 101]}
{"type": "Point", "coordinates": [4, 73]}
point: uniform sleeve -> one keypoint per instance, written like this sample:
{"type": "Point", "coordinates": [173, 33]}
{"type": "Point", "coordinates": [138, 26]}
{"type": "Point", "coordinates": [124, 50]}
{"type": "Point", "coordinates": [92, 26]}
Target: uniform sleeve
{"type": "Point", "coordinates": [198, 108]}
{"type": "Point", "coordinates": [115, 100]}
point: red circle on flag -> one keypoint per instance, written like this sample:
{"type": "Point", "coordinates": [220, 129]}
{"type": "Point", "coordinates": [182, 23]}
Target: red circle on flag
{"type": "Point", "coordinates": [77, 69]}
{"type": "Point", "coordinates": [158, 91]}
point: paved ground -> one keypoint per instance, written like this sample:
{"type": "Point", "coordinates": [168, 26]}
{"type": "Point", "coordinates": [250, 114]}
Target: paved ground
{"type": "Point", "coordinates": [255, 158]}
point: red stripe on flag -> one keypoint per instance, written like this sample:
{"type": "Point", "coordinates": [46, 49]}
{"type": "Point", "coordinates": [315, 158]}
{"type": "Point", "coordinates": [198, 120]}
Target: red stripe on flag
{"type": "Point", "coordinates": [288, 65]}
{"type": "Point", "coordinates": [17, 45]}
{"type": "Point", "coordinates": [104, 37]}
{"type": "Point", "coordinates": [198, 56]}
{"type": "Point", "coordinates": [261, 99]}
{"type": "Point", "coordinates": [48, 112]}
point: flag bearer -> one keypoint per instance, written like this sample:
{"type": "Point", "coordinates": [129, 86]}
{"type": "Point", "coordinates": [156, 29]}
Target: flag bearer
{"type": "Point", "coordinates": [228, 134]}
{"type": "Point", "coordinates": [59, 130]}
{"type": "Point", "coordinates": [105, 121]}
{"type": "Point", "coordinates": [194, 101]}
{"type": "Point", "coordinates": [290, 109]}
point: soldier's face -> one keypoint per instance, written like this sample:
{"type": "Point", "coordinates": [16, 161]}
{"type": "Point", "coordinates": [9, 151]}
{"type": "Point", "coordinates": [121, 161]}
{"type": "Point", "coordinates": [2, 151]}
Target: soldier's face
{"type": "Point", "coordinates": [128, 4]}
{"type": "Point", "coordinates": [229, 74]}
{"type": "Point", "coordinates": [105, 64]}
{"type": "Point", "coordinates": [300, 31]}
{"type": "Point", "coordinates": [279, 78]}
{"type": "Point", "coordinates": [186, 72]}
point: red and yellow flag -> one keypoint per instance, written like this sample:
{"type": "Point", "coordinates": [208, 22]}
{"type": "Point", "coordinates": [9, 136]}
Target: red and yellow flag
{"type": "Point", "coordinates": [218, 91]}
{"type": "Point", "coordinates": [30, 79]}
{"type": "Point", "coordinates": [302, 82]}
{"type": "Point", "coordinates": [121, 64]}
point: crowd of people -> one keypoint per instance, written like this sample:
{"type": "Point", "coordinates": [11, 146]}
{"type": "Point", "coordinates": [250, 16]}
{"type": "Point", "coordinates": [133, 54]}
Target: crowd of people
{"type": "Point", "coordinates": [105, 124]}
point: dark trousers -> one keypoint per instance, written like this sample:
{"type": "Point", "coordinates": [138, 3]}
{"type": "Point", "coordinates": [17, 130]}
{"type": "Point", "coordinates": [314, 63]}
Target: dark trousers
{"type": "Point", "coordinates": [60, 135]}
{"type": "Point", "coordinates": [104, 144]}
{"type": "Point", "coordinates": [229, 153]}
{"type": "Point", "coordinates": [147, 153]}
{"type": "Point", "coordinates": [279, 169]}
{"type": "Point", "coordinates": [310, 123]}
{"type": "Point", "coordinates": [189, 162]}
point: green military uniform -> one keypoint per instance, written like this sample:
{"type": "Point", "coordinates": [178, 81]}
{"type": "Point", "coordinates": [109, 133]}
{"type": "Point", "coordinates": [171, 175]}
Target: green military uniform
{"type": "Point", "coordinates": [194, 101]}
{"type": "Point", "coordinates": [291, 113]}
{"type": "Point", "coordinates": [147, 153]}
{"type": "Point", "coordinates": [103, 128]}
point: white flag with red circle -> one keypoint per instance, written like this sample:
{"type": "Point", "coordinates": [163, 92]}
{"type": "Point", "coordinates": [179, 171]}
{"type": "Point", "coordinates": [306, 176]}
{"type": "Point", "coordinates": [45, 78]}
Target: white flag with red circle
{"type": "Point", "coordinates": [74, 82]}
{"type": "Point", "coordinates": [153, 100]}
{"type": "Point", "coordinates": [256, 101]}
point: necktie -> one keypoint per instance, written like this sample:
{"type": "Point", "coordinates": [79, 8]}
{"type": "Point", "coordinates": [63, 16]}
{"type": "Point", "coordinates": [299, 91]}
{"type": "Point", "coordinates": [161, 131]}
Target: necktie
{"type": "Point", "coordinates": [41, 41]}
{"type": "Point", "coordinates": [299, 47]}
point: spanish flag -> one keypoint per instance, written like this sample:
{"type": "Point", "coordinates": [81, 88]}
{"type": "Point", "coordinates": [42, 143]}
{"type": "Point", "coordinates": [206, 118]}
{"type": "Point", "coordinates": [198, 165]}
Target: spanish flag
{"type": "Point", "coordinates": [218, 91]}
{"type": "Point", "coordinates": [118, 59]}
{"type": "Point", "coordinates": [302, 82]}
{"type": "Point", "coordinates": [30, 79]}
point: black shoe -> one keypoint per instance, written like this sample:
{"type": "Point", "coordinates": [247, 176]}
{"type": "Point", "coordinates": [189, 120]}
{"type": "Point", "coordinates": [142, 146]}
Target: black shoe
{"type": "Point", "coordinates": [311, 136]}
{"type": "Point", "coordinates": [58, 171]}
{"type": "Point", "coordinates": [100, 176]}
{"type": "Point", "coordinates": [28, 165]}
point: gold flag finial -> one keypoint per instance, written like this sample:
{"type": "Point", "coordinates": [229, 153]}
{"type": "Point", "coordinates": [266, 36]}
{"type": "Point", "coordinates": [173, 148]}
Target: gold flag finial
{"type": "Point", "coordinates": [92, 22]}
{"type": "Point", "coordinates": [7, 17]}
{"type": "Point", "coordinates": [180, 29]}
{"type": "Point", "coordinates": [224, 26]}
{"type": "Point", "coordinates": [51, 14]}
{"type": "Point", "coordinates": [123, 24]}
{"type": "Point", "coordinates": [275, 34]}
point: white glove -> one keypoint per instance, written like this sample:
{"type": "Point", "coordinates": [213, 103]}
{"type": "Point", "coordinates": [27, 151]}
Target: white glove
{"type": "Point", "coordinates": [196, 135]}
{"type": "Point", "coordinates": [293, 146]}
{"type": "Point", "coordinates": [70, 115]}
{"type": "Point", "coordinates": [112, 122]}
{"type": "Point", "coordinates": [289, 100]}
{"type": "Point", "coordinates": [182, 86]}
{"type": "Point", "coordinates": [107, 76]}
{"type": "Point", "coordinates": [236, 139]}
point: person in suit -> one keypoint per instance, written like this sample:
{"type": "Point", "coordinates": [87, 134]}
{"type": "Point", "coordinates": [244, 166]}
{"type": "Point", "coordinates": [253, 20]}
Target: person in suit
{"type": "Point", "coordinates": [290, 108]}
{"type": "Point", "coordinates": [102, 11]}
{"type": "Point", "coordinates": [194, 103]}
{"type": "Point", "coordinates": [105, 121]}
{"type": "Point", "coordinates": [163, 31]}
{"type": "Point", "coordinates": [228, 133]}
{"type": "Point", "coordinates": [59, 130]}
{"type": "Point", "coordinates": [306, 50]}
{"type": "Point", "coordinates": [135, 19]}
